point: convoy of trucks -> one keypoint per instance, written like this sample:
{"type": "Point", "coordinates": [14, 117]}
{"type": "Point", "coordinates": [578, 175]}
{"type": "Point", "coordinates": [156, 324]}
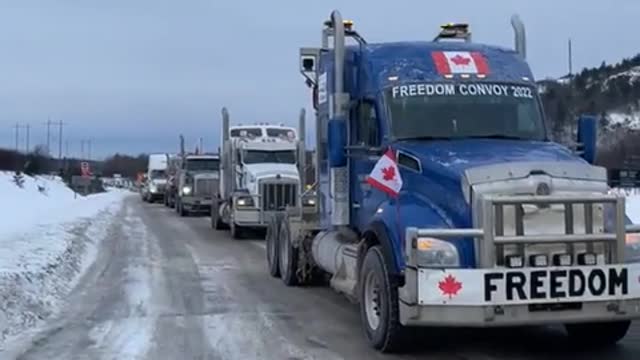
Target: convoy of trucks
{"type": "Point", "coordinates": [438, 198]}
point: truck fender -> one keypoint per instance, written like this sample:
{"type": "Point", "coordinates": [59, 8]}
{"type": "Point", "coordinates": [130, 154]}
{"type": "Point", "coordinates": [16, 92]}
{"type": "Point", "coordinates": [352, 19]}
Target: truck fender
{"type": "Point", "coordinates": [385, 230]}
{"type": "Point", "coordinates": [377, 233]}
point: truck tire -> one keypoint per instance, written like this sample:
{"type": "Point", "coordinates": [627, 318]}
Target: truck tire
{"type": "Point", "coordinates": [216, 221]}
{"type": "Point", "coordinates": [182, 211]}
{"type": "Point", "coordinates": [237, 232]}
{"type": "Point", "coordinates": [271, 238]}
{"type": "Point", "coordinates": [287, 255]}
{"type": "Point", "coordinates": [601, 334]}
{"type": "Point", "coordinates": [379, 311]}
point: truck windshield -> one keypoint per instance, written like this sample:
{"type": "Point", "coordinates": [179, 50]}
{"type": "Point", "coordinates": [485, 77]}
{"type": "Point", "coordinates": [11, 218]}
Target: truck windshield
{"type": "Point", "coordinates": [203, 164]}
{"type": "Point", "coordinates": [158, 174]}
{"type": "Point", "coordinates": [277, 132]}
{"type": "Point", "coordinates": [255, 132]}
{"type": "Point", "coordinates": [449, 111]}
{"type": "Point", "coordinates": [263, 156]}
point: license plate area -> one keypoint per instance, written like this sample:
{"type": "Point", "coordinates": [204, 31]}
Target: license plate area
{"type": "Point", "coordinates": [528, 286]}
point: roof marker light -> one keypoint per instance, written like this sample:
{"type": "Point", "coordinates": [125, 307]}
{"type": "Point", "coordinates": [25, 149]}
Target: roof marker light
{"type": "Point", "coordinates": [465, 76]}
{"type": "Point", "coordinates": [481, 76]}
{"type": "Point", "coordinates": [448, 76]}
{"type": "Point", "coordinates": [393, 78]}
{"type": "Point", "coordinates": [525, 78]}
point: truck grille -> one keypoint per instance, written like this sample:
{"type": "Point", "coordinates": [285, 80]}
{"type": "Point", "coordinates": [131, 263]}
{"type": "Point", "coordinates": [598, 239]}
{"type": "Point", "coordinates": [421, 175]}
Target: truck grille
{"type": "Point", "coordinates": [205, 187]}
{"type": "Point", "coordinates": [276, 196]}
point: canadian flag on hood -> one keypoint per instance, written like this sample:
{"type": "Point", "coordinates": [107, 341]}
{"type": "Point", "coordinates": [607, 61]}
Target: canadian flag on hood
{"type": "Point", "coordinates": [385, 175]}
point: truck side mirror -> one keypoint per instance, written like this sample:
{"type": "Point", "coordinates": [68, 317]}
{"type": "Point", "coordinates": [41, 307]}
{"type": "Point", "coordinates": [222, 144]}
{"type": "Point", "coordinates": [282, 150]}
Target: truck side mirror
{"type": "Point", "coordinates": [588, 137]}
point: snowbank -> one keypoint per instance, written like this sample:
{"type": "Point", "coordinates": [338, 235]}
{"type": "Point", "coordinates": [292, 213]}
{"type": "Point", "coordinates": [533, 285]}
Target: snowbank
{"type": "Point", "coordinates": [48, 236]}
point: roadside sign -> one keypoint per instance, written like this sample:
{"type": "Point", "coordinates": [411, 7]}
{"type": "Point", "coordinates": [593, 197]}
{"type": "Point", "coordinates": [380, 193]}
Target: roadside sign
{"type": "Point", "coordinates": [84, 169]}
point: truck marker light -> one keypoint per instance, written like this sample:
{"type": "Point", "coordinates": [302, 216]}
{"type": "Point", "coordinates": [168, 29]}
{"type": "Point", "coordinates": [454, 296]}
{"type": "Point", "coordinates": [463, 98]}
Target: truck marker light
{"type": "Point", "coordinates": [562, 260]}
{"type": "Point", "coordinates": [588, 259]}
{"type": "Point", "coordinates": [515, 261]}
{"type": "Point", "coordinates": [539, 260]}
{"type": "Point", "coordinates": [392, 78]}
{"type": "Point", "coordinates": [424, 244]}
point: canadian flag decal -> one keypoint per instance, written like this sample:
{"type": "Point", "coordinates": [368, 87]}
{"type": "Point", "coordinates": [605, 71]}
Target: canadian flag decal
{"type": "Point", "coordinates": [385, 175]}
{"type": "Point", "coordinates": [460, 62]}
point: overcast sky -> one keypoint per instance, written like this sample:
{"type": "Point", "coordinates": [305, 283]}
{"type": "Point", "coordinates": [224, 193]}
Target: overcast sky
{"type": "Point", "coordinates": [133, 74]}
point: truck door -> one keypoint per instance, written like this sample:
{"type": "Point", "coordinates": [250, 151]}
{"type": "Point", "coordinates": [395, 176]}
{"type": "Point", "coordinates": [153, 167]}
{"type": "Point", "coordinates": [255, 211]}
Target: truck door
{"type": "Point", "coordinates": [363, 151]}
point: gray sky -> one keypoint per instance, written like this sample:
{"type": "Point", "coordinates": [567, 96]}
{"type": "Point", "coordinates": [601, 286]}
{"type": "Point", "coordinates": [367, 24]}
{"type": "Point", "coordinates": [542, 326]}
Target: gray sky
{"type": "Point", "coordinates": [132, 74]}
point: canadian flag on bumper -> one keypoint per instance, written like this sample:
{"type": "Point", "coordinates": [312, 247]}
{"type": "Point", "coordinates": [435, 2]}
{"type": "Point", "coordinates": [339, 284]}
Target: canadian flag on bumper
{"type": "Point", "coordinates": [385, 175]}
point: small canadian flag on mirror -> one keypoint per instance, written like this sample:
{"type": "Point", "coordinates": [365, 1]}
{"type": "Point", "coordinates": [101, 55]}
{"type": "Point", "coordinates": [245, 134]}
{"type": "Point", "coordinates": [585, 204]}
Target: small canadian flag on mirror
{"type": "Point", "coordinates": [385, 175]}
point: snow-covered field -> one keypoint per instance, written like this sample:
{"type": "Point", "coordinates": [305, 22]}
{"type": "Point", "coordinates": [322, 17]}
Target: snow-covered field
{"type": "Point", "coordinates": [48, 237]}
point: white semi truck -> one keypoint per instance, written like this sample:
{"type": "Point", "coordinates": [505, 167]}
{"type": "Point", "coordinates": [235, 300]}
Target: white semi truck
{"type": "Point", "coordinates": [156, 177]}
{"type": "Point", "coordinates": [261, 173]}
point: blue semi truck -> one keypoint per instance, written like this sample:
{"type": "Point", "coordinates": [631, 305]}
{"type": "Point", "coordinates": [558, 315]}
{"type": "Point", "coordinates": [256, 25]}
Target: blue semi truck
{"type": "Point", "coordinates": [493, 224]}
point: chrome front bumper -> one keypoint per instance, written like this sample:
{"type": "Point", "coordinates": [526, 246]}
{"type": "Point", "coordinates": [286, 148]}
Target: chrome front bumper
{"type": "Point", "coordinates": [494, 295]}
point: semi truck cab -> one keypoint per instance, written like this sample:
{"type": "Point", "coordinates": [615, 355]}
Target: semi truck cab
{"type": "Point", "coordinates": [494, 225]}
{"type": "Point", "coordinates": [260, 175]}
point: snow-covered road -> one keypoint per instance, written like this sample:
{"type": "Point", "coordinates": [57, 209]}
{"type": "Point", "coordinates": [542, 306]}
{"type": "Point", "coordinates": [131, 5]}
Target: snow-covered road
{"type": "Point", "coordinates": [164, 287]}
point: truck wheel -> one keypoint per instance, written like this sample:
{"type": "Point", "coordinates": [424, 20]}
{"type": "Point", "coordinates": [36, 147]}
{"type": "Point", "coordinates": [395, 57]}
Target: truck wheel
{"type": "Point", "coordinates": [237, 232]}
{"type": "Point", "coordinates": [598, 334]}
{"type": "Point", "coordinates": [182, 211]}
{"type": "Point", "coordinates": [288, 255]}
{"type": "Point", "coordinates": [216, 222]}
{"type": "Point", "coordinates": [378, 296]}
{"type": "Point", "coordinates": [271, 237]}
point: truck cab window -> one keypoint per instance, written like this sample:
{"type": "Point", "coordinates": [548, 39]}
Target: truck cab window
{"type": "Point", "coordinates": [367, 125]}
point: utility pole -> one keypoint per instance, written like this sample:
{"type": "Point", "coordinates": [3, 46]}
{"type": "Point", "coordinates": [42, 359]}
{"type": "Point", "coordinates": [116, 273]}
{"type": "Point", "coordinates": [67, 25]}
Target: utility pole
{"type": "Point", "coordinates": [89, 155]}
{"type": "Point", "coordinates": [28, 128]}
{"type": "Point", "coordinates": [66, 148]}
{"type": "Point", "coordinates": [48, 136]}
{"type": "Point", "coordinates": [570, 60]}
{"type": "Point", "coordinates": [82, 149]}
{"type": "Point", "coordinates": [17, 127]}
{"type": "Point", "coordinates": [60, 124]}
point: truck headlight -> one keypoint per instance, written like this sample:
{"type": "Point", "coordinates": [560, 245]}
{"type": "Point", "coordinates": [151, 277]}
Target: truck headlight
{"type": "Point", "coordinates": [309, 201]}
{"type": "Point", "coordinates": [152, 188]}
{"type": "Point", "coordinates": [244, 201]}
{"type": "Point", "coordinates": [186, 190]}
{"type": "Point", "coordinates": [431, 252]}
